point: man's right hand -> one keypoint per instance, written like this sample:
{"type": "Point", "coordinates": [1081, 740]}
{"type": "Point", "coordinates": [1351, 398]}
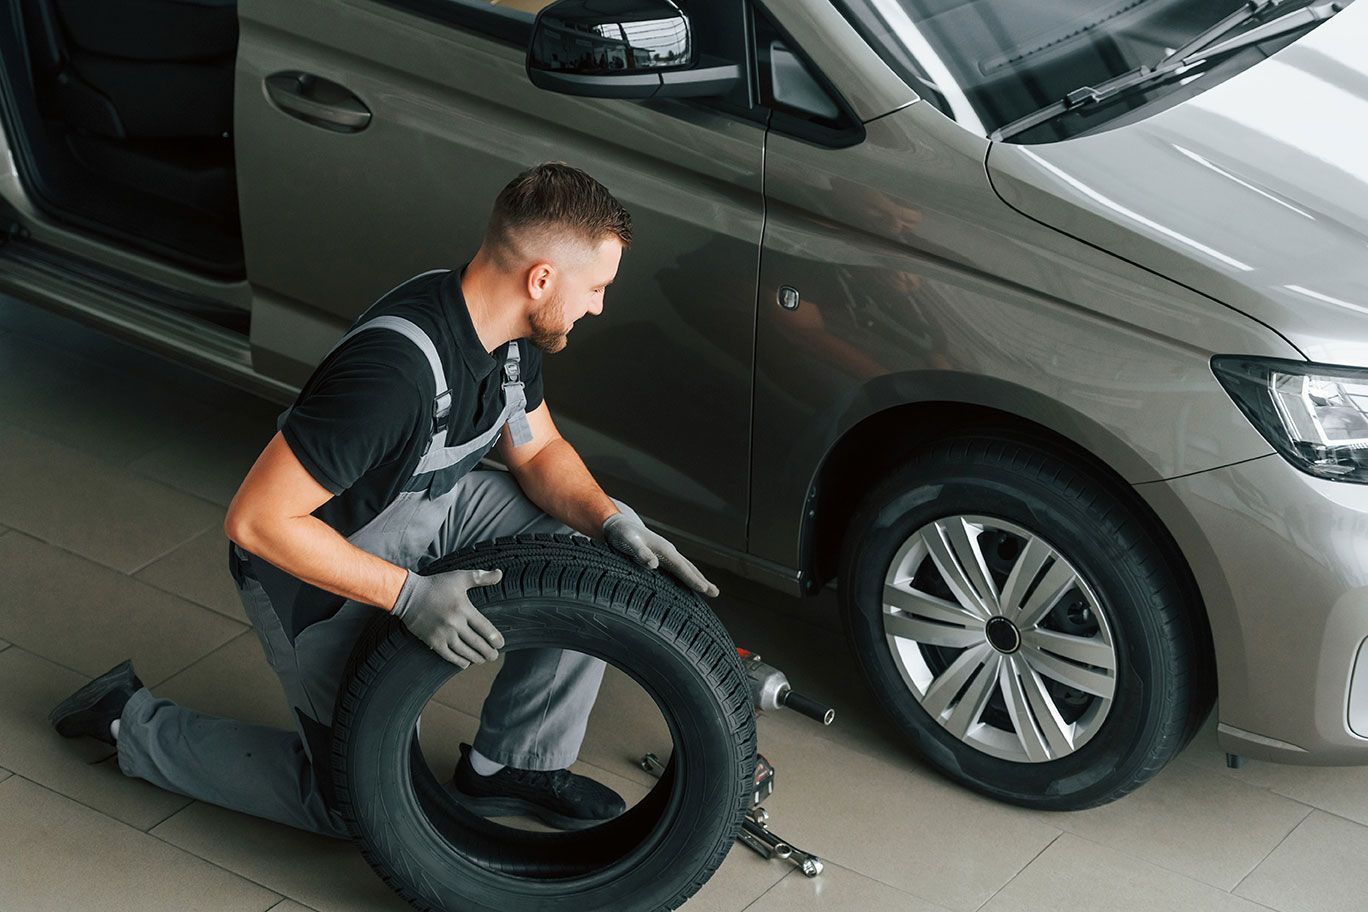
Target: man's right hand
{"type": "Point", "coordinates": [437, 610]}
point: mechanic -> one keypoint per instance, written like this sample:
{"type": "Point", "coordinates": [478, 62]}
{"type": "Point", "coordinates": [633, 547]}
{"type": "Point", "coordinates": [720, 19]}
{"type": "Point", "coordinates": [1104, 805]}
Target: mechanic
{"type": "Point", "coordinates": [371, 476]}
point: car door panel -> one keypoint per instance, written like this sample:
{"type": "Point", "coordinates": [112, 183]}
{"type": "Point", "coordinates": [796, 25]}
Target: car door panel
{"type": "Point", "coordinates": [655, 392]}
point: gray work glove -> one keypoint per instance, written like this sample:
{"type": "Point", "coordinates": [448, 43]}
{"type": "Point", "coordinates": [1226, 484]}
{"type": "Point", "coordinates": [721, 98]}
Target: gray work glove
{"type": "Point", "coordinates": [651, 550]}
{"type": "Point", "coordinates": [437, 611]}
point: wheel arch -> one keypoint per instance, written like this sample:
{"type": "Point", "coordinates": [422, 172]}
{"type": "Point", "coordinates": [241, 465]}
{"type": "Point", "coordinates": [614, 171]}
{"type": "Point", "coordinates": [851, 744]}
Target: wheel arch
{"type": "Point", "coordinates": [893, 415]}
{"type": "Point", "coordinates": [877, 444]}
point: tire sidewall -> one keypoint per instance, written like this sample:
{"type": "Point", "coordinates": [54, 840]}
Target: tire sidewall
{"type": "Point", "coordinates": [1083, 531]}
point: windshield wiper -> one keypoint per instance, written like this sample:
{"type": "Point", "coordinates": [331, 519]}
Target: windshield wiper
{"type": "Point", "coordinates": [1204, 46]}
{"type": "Point", "coordinates": [1252, 9]}
{"type": "Point", "coordinates": [1287, 22]}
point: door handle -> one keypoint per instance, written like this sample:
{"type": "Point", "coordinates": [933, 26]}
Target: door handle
{"type": "Point", "coordinates": [317, 101]}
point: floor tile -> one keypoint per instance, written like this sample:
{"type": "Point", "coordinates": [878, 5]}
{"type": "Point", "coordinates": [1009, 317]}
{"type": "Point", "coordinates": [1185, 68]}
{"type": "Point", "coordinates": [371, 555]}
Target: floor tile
{"type": "Point", "coordinates": [326, 874]}
{"type": "Point", "coordinates": [62, 856]}
{"type": "Point", "coordinates": [27, 362]}
{"type": "Point", "coordinates": [1195, 822]}
{"type": "Point", "coordinates": [837, 889]}
{"type": "Point", "coordinates": [109, 414]}
{"type": "Point", "coordinates": [209, 459]}
{"type": "Point", "coordinates": [198, 571]}
{"type": "Point", "coordinates": [289, 905]}
{"type": "Point", "coordinates": [1321, 867]}
{"type": "Point", "coordinates": [897, 824]}
{"type": "Point", "coordinates": [1341, 790]}
{"type": "Point", "coordinates": [85, 616]}
{"type": "Point", "coordinates": [330, 875]}
{"type": "Point", "coordinates": [87, 506]}
{"type": "Point", "coordinates": [29, 688]}
{"type": "Point", "coordinates": [743, 878]}
{"type": "Point", "coordinates": [1075, 874]}
{"type": "Point", "coordinates": [30, 371]}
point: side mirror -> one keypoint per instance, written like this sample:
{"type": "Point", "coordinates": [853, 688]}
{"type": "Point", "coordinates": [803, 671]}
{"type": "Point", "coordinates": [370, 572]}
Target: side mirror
{"type": "Point", "coordinates": [622, 49]}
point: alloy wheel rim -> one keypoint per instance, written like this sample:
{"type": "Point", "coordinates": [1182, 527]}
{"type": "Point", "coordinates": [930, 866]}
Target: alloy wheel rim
{"type": "Point", "coordinates": [999, 638]}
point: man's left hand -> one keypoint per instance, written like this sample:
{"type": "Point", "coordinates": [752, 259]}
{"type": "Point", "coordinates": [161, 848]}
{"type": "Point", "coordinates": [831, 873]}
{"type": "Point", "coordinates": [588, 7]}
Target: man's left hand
{"type": "Point", "coordinates": [647, 548]}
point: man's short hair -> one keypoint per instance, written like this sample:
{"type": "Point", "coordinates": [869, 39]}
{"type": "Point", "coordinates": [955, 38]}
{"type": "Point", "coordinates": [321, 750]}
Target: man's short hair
{"type": "Point", "coordinates": [553, 209]}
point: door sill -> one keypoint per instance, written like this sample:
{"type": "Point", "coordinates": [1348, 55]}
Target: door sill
{"type": "Point", "coordinates": [188, 329]}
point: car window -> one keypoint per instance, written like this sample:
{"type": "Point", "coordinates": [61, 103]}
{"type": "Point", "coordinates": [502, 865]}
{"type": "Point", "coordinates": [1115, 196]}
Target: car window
{"type": "Point", "coordinates": [803, 102]}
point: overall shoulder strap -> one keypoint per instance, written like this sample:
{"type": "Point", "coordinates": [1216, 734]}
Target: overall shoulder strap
{"type": "Point", "coordinates": [512, 385]}
{"type": "Point", "coordinates": [441, 403]}
{"type": "Point", "coordinates": [510, 366]}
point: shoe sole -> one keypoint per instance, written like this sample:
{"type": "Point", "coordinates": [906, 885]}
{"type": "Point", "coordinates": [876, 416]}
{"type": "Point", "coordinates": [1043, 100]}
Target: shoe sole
{"type": "Point", "coordinates": [512, 807]}
{"type": "Point", "coordinates": [70, 720]}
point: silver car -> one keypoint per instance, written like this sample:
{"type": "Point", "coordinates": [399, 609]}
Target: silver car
{"type": "Point", "coordinates": [1038, 330]}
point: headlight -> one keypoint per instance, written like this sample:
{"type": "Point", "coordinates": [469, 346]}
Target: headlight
{"type": "Point", "coordinates": [1315, 415]}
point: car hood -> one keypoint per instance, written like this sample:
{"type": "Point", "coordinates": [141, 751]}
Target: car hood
{"type": "Point", "coordinates": [1254, 192]}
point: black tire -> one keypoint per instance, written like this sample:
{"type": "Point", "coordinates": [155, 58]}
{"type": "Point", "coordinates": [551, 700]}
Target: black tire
{"type": "Point", "coordinates": [579, 594]}
{"type": "Point", "coordinates": [1160, 690]}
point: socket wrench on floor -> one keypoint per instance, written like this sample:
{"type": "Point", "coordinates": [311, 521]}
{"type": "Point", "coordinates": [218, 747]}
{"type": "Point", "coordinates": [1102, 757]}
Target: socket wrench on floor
{"type": "Point", "coordinates": [770, 690]}
{"type": "Point", "coordinates": [755, 832]}
{"type": "Point", "coordinates": [758, 836]}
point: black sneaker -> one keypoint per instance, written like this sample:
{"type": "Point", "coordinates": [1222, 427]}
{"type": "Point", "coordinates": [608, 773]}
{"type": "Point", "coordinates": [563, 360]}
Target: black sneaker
{"type": "Point", "coordinates": [90, 710]}
{"type": "Point", "coordinates": [558, 798]}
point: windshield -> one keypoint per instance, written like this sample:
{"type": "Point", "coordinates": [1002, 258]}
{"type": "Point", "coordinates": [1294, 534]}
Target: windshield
{"type": "Point", "coordinates": [988, 63]}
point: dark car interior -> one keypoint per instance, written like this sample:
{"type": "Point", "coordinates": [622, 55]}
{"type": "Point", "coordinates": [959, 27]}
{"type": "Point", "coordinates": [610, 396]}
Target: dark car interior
{"type": "Point", "coordinates": [126, 114]}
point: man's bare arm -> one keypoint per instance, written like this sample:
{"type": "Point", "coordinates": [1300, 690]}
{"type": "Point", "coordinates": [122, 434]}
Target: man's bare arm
{"type": "Point", "coordinates": [554, 477]}
{"type": "Point", "coordinates": [270, 517]}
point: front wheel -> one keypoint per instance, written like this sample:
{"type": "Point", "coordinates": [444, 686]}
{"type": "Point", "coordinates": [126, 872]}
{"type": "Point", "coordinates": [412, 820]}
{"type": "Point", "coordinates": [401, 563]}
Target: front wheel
{"type": "Point", "coordinates": [1017, 619]}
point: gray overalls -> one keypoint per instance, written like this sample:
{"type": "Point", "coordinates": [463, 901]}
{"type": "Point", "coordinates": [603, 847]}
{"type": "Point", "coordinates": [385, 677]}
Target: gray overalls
{"type": "Point", "coordinates": [533, 718]}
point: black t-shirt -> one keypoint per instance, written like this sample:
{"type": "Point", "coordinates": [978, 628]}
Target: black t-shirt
{"type": "Point", "coordinates": [363, 419]}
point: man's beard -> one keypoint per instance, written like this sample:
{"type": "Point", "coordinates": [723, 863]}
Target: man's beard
{"type": "Point", "coordinates": [548, 326]}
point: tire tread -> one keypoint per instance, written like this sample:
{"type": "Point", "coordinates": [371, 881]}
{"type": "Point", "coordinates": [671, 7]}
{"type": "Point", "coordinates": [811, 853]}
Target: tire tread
{"type": "Point", "coordinates": [589, 571]}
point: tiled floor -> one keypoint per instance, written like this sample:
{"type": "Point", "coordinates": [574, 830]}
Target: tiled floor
{"type": "Point", "coordinates": [115, 469]}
